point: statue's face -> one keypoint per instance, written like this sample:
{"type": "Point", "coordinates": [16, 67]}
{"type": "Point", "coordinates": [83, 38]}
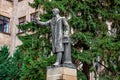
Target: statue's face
{"type": "Point", "coordinates": [55, 13]}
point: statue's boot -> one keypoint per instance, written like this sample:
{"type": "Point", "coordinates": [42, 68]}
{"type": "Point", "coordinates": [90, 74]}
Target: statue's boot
{"type": "Point", "coordinates": [58, 60]}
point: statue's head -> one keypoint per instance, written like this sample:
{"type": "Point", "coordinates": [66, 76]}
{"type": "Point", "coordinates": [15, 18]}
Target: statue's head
{"type": "Point", "coordinates": [55, 11]}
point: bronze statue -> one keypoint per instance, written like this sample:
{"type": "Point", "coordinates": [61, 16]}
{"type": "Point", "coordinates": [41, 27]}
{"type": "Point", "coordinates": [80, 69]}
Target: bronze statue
{"type": "Point", "coordinates": [60, 37]}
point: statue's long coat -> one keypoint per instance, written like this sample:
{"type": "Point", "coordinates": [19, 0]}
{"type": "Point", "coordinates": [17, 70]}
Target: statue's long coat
{"type": "Point", "coordinates": [58, 27]}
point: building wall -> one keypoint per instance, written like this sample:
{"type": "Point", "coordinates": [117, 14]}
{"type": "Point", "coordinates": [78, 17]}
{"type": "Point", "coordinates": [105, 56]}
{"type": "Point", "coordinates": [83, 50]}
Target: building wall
{"type": "Point", "coordinates": [14, 10]}
{"type": "Point", "coordinates": [5, 39]}
{"type": "Point", "coordinates": [6, 8]}
{"type": "Point", "coordinates": [23, 9]}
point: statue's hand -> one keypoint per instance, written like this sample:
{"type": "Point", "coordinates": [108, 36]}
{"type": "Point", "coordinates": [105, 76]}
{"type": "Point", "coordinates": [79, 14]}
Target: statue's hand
{"type": "Point", "coordinates": [66, 39]}
{"type": "Point", "coordinates": [35, 20]}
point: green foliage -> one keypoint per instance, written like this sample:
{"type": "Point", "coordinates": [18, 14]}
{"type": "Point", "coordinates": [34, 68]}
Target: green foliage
{"type": "Point", "coordinates": [36, 48]}
{"type": "Point", "coordinates": [4, 54]}
{"type": "Point", "coordinates": [10, 67]}
{"type": "Point", "coordinates": [90, 33]}
{"type": "Point", "coordinates": [34, 66]}
{"type": "Point", "coordinates": [3, 62]}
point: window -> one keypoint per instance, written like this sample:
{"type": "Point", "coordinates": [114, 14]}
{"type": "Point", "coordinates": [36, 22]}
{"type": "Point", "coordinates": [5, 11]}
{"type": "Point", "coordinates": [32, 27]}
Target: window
{"type": "Point", "coordinates": [10, 0]}
{"type": "Point", "coordinates": [20, 0]}
{"type": "Point", "coordinates": [33, 15]}
{"type": "Point", "coordinates": [4, 24]}
{"type": "Point", "coordinates": [22, 20]}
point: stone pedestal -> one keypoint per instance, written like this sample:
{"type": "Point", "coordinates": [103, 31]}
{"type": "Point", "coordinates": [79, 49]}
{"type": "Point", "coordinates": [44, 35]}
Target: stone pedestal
{"type": "Point", "coordinates": [61, 73]}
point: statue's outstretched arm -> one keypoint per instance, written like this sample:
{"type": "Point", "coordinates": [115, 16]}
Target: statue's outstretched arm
{"type": "Point", "coordinates": [40, 23]}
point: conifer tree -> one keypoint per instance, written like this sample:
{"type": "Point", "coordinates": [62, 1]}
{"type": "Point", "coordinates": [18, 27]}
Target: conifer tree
{"type": "Point", "coordinates": [10, 67]}
{"type": "Point", "coordinates": [88, 20]}
{"type": "Point", "coordinates": [3, 62]}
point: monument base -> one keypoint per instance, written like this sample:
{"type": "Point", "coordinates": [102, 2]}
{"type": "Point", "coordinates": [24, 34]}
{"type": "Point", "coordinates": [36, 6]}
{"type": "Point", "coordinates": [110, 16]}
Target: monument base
{"type": "Point", "coordinates": [61, 73]}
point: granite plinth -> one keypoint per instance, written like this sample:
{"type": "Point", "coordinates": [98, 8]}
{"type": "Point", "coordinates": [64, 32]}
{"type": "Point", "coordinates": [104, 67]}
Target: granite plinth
{"type": "Point", "coordinates": [61, 73]}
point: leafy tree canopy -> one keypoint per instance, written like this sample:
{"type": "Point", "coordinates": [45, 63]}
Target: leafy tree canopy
{"type": "Point", "coordinates": [88, 20]}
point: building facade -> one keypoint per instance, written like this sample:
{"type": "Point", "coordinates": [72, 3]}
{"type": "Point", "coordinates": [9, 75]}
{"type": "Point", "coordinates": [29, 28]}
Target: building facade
{"type": "Point", "coordinates": [13, 13]}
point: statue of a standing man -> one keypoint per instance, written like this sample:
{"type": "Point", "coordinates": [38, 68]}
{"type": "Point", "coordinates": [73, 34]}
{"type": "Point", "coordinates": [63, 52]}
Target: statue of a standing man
{"type": "Point", "coordinates": [60, 37]}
